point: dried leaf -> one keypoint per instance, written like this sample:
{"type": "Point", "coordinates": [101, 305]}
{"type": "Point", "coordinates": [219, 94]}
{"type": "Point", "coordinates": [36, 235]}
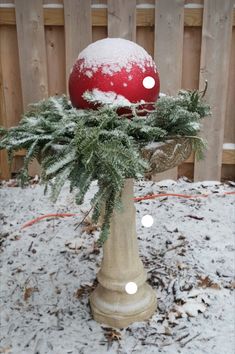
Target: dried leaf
{"type": "Point", "coordinates": [90, 229]}
{"type": "Point", "coordinates": [28, 292]}
{"type": "Point", "coordinates": [206, 282]}
{"type": "Point", "coordinates": [85, 289]}
{"type": "Point", "coordinates": [112, 335]}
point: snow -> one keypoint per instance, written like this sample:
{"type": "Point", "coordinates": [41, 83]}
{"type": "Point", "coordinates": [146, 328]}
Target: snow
{"type": "Point", "coordinates": [110, 98]}
{"type": "Point", "coordinates": [229, 146]}
{"type": "Point", "coordinates": [48, 271]}
{"type": "Point", "coordinates": [114, 54]}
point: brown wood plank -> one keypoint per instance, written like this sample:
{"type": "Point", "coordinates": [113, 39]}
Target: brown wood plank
{"type": "Point", "coordinates": [215, 54]}
{"type": "Point", "coordinates": [122, 19]}
{"type": "Point", "coordinates": [10, 90]}
{"type": "Point", "coordinates": [229, 128]}
{"type": "Point", "coordinates": [55, 49]}
{"type": "Point", "coordinates": [145, 38]}
{"type": "Point", "coordinates": [99, 33]}
{"type": "Point", "coordinates": [191, 58]}
{"type": "Point", "coordinates": [168, 52]}
{"type": "Point", "coordinates": [99, 17]}
{"type": "Point", "coordinates": [228, 157]}
{"type": "Point", "coordinates": [4, 167]}
{"type": "Point", "coordinates": [228, 173]}
{"type": "Point", "coordinates": [32, 55]}
{"type": "Point", "coordinates": [78, 29]}
{"type": "Point", "coordinates": [144, 17]}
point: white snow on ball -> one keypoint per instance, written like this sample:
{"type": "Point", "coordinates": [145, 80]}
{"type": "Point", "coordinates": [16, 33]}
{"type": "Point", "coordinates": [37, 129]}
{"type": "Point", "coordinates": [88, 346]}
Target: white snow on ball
{"type": "Point", "coordinates": [114, 54]}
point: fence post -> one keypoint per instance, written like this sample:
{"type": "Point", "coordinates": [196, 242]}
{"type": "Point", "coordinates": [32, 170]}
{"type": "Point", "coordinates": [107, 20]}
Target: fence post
{"type": "Point", "coordinates": [214, 67]}
{"type": "Point", "coordinates": [78, 30]}
{"type": "Point", "coordinates": [32, 55]}
{"type": "Point", "coordinates": [168, 52]}
{"type": "Point", "coordinates": [122, 19]}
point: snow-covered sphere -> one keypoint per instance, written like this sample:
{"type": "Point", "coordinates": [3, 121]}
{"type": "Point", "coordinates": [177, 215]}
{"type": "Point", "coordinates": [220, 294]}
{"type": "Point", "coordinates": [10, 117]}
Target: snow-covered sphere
{"type": "Point", "coordinates": [115, 71]}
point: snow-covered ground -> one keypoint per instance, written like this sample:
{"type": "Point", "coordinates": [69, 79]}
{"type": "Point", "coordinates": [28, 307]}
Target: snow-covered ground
{"type": "Point", "coordinates": [188, 252]}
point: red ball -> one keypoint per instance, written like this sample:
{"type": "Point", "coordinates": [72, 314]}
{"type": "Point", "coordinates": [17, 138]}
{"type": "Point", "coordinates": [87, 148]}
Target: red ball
{"type": "Point", "coordinates": [115, 70]}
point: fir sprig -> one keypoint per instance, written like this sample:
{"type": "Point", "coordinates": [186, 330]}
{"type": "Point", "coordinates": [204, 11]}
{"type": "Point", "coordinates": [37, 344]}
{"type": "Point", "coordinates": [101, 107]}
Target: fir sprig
{"type": "Point", "coordinates": [82, 146]}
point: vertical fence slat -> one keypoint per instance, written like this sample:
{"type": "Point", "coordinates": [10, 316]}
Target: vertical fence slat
{"type": "Point", "coordinates": [78, 29]}
{"type": "Point", "coordinates": [32, 54]}
{"type": "Point", "coordinates": [122, 19]}
{"type": "Point", "coordinates": [55, 49]}
{"type": "Point", "coordinates": [168, 51]}
{"type": "Point", "coordinates": [32, 50]}
{"type": "Point", "coordinates": [214, 67]}
{"type": "Point", "coordinates": [10, 88]}
{"type": "Point", "coordinates": [4, 168]}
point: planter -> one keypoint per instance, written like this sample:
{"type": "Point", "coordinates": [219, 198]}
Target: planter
{"type": "Point", "coordinates": [110, 303]}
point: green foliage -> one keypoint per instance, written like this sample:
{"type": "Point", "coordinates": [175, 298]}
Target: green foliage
{"type": "Point", "coordinates": [81, 146]}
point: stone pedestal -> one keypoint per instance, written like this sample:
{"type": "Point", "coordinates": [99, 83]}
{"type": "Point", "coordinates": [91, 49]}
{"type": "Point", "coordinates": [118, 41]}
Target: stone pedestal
{"type": "Point", "coordinates": [110, 303]}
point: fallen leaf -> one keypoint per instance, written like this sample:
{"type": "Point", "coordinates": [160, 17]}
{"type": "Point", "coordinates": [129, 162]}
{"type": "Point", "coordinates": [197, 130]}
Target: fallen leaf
{"type": "Point", "coordinates": [206, 282]}
{"type": "Point", "coordinates": [28, 292]}
{"type": "Point", "coordinates": [90, 229]}
{"type": "Point", "coordinates": [85, 289]}
{"type": "Point", "coordinates": [112, 335]}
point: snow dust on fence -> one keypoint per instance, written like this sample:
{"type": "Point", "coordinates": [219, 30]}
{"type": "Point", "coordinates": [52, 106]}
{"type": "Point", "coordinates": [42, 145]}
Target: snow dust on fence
{"type": "Point", "coordinates": [190, 40]}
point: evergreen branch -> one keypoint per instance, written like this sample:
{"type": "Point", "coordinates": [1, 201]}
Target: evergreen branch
{"type": "Point", "coordinates": [82, 146]}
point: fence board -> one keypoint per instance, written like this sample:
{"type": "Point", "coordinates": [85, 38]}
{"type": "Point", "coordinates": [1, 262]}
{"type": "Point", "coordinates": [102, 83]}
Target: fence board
{"type": "Point", "coordinates": [215, 54]}
{"type": "Point", "coordinates": [122, 19]}
{"type": "Point", "coordinates": [229, 133]}
{"type": "Point", "coordinates": [168, 51]}
{"type": "Point", "coordinates": [55, 49]}
{"type": "Point", "coordinates": [144, 17]}
{"type": "Point", "coordinates": [32, 54]}
{"type": "Point", "coordinates": [191, 58]}
{"type": "Point", "coordinates": [99, 33]}
{"type": "Point", "coordinates": [10, 90]}
{"type": "Point", "coordinates": [78, 31]}
{"type": "Point", "coordinates": [145, 38]}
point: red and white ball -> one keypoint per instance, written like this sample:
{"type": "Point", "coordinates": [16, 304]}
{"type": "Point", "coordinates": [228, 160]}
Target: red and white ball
{"type": "Point", "coordinates": [116, 67]}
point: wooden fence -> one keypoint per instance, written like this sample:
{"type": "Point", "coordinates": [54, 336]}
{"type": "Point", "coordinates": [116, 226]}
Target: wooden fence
{"type": "Point", "coordinates": [190, 40]}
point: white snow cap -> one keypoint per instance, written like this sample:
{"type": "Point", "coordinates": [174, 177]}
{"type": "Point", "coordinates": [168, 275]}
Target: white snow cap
{"type": "Point", "coordinates": [113, 54]}
{"type": "Point", "coordinates": [111, 98]}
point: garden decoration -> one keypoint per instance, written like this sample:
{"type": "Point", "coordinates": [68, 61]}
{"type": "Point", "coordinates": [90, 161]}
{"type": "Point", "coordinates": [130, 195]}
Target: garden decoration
{"type": "Point", "coordinates": [115, 130]}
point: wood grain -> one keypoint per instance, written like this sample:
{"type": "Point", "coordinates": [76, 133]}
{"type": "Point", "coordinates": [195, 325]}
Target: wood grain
{"type": "Point", "coordinates": [144, 17]}
{"type": "Point", "coordinates": [214, 67]}
{"type": "Point", "coordinates": [55, 49]}
{"type": "Point", "coordinates": [78, 30]}
{"type": "Point", "coordinates": [168, 51]}
{"type": "Point", "coordinates": [229, 128]}
{"type": "Point", "coordinates": [10, 89]}
{"type": "Point", "coordinates": [32, 55]}
{"type": "Point", "coordinates": [122, 19]}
